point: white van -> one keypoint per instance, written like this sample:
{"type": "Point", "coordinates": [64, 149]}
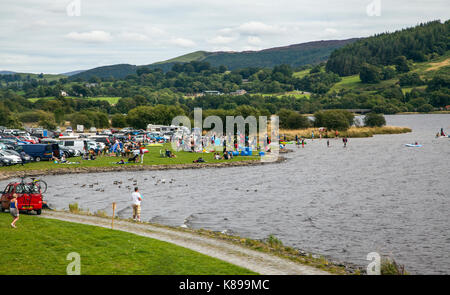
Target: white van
{"type": "Point", "coordinates": [78, 144]}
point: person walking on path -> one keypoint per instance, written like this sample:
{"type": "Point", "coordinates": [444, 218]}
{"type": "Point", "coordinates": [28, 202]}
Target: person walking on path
{"type": "Point", "coordinates": [136, 199]}
{"type": "Point", "coordinates": [14, 210]}
{"type": "Point", "coordinates": [328, 143]}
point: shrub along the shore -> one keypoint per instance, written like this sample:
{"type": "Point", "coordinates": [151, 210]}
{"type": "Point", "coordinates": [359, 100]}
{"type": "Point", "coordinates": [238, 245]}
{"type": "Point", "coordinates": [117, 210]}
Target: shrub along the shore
{"type": "Point", "coordinates": [374, 120]}
{"type": "Point", "coordinates": [352, 132]}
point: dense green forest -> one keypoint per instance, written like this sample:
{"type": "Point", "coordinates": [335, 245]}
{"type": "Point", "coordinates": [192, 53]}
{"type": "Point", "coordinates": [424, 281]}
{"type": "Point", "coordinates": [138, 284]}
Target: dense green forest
{"type": "Point", "coordinates": [408, 84]}
{"type": "Point", "coordinates": [419, 44]}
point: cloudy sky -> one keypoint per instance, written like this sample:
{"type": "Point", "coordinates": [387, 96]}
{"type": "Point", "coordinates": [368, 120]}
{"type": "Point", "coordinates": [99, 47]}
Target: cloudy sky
{"type": "Point", "coordinates": [55, 36]}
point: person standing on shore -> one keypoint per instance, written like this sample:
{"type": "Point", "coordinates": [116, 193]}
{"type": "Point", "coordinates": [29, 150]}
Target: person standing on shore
{"type": "Point", "coordinates": [14, 210]}
{"type": "Point", "coordinates": [136, 199]}
{"type": "Point", "coordinates": [328, 143]}
{"type": "Point", "coordinates": [141, 153]}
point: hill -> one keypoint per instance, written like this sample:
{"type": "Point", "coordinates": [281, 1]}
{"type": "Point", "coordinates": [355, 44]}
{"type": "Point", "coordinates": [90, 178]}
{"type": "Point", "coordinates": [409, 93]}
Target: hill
{"type": "Point", "coordinates": [6, 72]}
{"type": "Point", "coordinates": [72, 73]}
{"type": "Point", "coordinates": [119, 71]}
{"type": "Point", "coordinates": [419, 44]}
{"type": "Point", "coordinates": [294, 55]}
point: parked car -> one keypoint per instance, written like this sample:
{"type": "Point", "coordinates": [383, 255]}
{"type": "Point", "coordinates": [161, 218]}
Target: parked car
{"type": "Point", "coordinates": [8, 141]}
{"type": "Point", "coordinates": [4, 161]}
{"type": "Point", "coordinates": [40, 151]}
{"type": "Point", "coordinates": [68, 152]}
{"type": "Point", "coordinates": [25, 158]}
{"type": "Point", "coordinates": [14, 159]}
{"type": "Point", "coordinates": [29, 197]}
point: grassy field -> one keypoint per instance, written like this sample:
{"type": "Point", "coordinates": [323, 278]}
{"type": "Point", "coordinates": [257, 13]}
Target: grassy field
{"type": "Point", "coordinates": [151, 158]}
{"type": "Point", "coordinates": [426, 70]}
{"type": "Point", "coordinates": [197, 55]}
{"type": "Point", "coordinates": [40, 247]}
{"type": "Point", "coordinates": [296, 94]}
{"type": "Point", "coordinates": [111, 100]}
{"type": "Point", "coordinates": [301, 74]}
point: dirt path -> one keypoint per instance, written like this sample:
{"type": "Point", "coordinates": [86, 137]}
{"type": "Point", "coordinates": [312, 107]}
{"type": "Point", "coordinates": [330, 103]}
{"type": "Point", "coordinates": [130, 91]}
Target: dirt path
{"type": "Point", "coordinates": [262, 263]}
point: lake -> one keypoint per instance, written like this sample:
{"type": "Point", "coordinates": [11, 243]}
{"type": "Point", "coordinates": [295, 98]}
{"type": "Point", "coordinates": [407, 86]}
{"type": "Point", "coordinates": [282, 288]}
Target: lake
{"type": "Point", "coordinates": [375, 195]}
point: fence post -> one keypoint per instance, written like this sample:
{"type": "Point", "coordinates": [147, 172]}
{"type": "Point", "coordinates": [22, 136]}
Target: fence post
{"type": "Point", "coordinates": [114, 210]}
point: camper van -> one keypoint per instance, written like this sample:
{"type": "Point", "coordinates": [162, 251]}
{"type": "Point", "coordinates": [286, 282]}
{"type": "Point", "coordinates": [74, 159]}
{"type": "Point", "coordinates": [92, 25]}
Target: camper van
{"type": "Point", "coordinates": [79, 145]}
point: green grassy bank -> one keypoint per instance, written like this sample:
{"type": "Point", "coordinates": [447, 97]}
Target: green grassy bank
{"type": "Point", "coordinates": [40, 247]}
{"type": "Point", "coordinates": [153, 157]}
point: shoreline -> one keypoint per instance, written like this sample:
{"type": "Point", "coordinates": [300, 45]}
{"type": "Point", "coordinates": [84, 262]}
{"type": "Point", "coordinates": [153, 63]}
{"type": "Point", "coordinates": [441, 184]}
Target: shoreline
{"type": "Point", "coordinates": [85, 170]}
{"type": "Point", "coordinates": [267, 256]}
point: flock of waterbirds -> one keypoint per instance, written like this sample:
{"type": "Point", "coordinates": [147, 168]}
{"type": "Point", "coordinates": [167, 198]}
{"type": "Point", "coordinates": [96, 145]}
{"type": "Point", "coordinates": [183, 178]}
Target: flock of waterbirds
{"type": "Point", "coordinates": [130, 184]}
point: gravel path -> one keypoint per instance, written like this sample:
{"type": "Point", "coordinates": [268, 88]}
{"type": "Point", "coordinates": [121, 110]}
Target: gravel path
{"type": "Point", "coordinates": [262, 263]}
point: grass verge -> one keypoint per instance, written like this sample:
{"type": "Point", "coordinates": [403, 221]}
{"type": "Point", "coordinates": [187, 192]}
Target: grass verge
{"type": "Point", "coordinates": [271, 245]}
{"type": "Point", "coordinates": [40, 246]}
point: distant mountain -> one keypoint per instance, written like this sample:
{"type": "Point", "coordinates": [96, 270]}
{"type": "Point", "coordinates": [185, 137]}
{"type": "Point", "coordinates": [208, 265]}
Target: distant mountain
{"type": "Point", "coordinates": [6, 72]}
{"type": "Point", "coordinates": [115, 71]}
{"type": "Point", "coordinates": [72, 73]}
{"type": "Point", "coordinates": [294, 55]}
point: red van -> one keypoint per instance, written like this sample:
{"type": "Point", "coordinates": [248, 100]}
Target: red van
{"type": "Point", "coordinates": [29, 197]}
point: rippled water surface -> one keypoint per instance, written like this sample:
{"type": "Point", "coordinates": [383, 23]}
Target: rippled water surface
{"type": "Point", "coordinates": [374, 195]}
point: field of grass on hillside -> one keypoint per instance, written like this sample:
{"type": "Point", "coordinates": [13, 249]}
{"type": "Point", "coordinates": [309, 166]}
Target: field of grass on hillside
{"type": "Point", "coordinates": [40, 246]}
{"type": "Point", "coordinates": [110, 100]}
{"type": "Point", "coordinates": [426, 70]}
{"type": "Point", "coordinates": [194, 56]}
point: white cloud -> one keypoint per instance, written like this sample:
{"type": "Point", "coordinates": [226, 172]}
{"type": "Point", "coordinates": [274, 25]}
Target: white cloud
{"type": "Point", "coordinates": [259, 28]}
{"type": "Point", "coordinates": [154, 31]}
{"type": "Point", "coordinates": [220, 40]}
{"type": "Point", "coordinates": [331, 31]}
{"type": "Point", "coordinates": [92, 36]}
{"type": "Point", "coordinates": [254, 40]}
{"type": "Point", "coordinates": [132, 36]}
{"type": "Point", "coordinates": [182, 42]}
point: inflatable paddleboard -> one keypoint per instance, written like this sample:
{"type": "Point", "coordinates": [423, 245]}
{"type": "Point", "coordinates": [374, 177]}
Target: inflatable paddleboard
{"type": "Point", "coordinates": [413, 145]}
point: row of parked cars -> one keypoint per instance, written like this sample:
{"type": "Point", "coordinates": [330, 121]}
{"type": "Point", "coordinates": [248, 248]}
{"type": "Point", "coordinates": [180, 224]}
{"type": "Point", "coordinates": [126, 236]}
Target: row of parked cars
{"type": "Point", "coordinates": [24, 146]}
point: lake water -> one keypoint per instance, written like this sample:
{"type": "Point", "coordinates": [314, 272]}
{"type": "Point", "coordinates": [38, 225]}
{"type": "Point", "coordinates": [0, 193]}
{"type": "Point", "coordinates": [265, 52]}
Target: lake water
{"type": "Point", "coordinates": [374, 195]}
